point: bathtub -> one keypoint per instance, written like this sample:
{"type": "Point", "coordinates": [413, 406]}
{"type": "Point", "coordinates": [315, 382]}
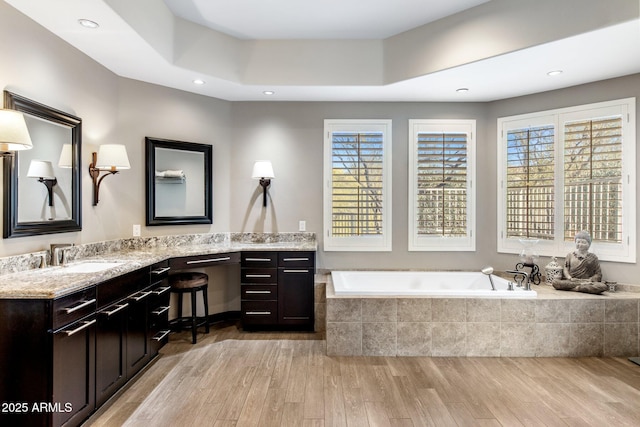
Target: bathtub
{"type": "Point", "coordinates": [423, 283]}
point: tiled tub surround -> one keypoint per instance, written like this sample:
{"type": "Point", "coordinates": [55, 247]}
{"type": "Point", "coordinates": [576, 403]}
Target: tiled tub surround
{"type": "Point", "coordinates": [555, 324]}
{"type": "Point", "coordinates": [20, 276]}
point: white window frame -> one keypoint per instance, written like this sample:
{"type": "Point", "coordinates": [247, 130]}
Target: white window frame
{"type": "Point", "coordinates": [624, 251]}
{"type": "Point", "coordinates": [442, 243]}
{"type": "Point", "coordinates": [382, 242]}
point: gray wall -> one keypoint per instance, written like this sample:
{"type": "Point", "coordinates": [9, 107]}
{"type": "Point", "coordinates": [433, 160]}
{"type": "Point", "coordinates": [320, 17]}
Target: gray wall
{"type": "Point", "coordinates": [116, 110]}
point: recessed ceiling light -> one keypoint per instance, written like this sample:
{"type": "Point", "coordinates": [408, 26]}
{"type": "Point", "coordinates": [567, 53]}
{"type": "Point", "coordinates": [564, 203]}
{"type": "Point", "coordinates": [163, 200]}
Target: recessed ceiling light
{"type": "Point", "coordinates": [87, 23]}
{"type": "Point", "coordinates": [198, 82]}
{"type": "Point", "coordinates": [462, 90]}
{"type": "Point", "coordinates": [268, 92]}
{"type": "Point", "coordinates": [554, 73]}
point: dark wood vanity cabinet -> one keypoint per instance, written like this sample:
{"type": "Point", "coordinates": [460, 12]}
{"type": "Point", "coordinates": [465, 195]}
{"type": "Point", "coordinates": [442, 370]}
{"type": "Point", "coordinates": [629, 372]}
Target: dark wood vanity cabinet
{"type": "Point", "coordinates": [295, 286]}
{"type": "Point", "coordinates": [277, 290]}
{"type": "Point", "coordinates": [62, 358]}
{"type": "Point", "coordinates": [47, 361]}
{"type": "Point", "coordinates": [73, 348]}
{"type": "Point", "coordinates": [132, 326]}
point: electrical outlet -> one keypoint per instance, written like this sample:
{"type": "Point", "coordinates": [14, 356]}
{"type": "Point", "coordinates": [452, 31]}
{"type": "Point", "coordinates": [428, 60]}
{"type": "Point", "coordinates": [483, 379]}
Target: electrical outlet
{"type": "Point", "coordinates": [136, 230]}
{"type": "Point", "coordinates": [302, 226]}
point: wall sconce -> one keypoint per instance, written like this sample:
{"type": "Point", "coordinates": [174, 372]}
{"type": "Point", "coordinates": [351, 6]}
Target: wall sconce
{"type": "Point", "coordinates": [111, 158]}
{"type": "Point", "coordinates": [14, 134]}
{"type": "Point", "coordinates": [263, 170]}
{"type": "Point", "coordinates": [43, 170]}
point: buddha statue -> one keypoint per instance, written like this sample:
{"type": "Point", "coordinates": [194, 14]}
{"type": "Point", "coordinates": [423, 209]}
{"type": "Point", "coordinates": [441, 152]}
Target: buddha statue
{"type": "Point", "coordinates": [581, 271]}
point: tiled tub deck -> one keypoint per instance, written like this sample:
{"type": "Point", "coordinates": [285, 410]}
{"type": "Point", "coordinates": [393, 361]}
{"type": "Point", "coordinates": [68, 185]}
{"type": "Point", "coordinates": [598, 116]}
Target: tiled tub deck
{"type": "Point", "coordinates": [555, 324]}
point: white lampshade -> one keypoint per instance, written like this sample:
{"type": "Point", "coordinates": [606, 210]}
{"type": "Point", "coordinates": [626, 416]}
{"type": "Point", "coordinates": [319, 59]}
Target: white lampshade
{"type": "Point", "coordinates": [14, 134]}
{"type": "Point", "coordinates": [262, 169]}
{"type": "Point", "coordinates": [66, 159]}
{"type": "Point", "coordinates": [112, 157]}
{"type": "Point", "coordinates": [41, 169]}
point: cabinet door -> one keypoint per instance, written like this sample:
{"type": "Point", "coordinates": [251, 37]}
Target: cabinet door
{"type": "Point", "coordinates": [74, 372]}
{"type": "Point", "coordinates": [111, 350]}
{"type": "Point", "coordinates": [137, 333]}
{"type": "Point", "coordinates": [295, 297]}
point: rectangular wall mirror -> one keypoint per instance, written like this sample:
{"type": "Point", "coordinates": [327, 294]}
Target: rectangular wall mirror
{"type": "Point", "coordinates": [179, 188]}
{"type": "Point", "coordinates": [35, 204]}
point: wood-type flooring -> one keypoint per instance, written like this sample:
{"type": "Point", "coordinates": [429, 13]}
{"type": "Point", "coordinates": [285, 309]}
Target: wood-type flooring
{"type": "Point", "coordinates": [236, 378]}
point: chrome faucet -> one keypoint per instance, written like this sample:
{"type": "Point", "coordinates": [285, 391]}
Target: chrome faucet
{"type": "Point", "coordinates": [488, 271]}
{"type": "Point", "coordinates": [525, 278]}
{"type": "Point", "coordinates": [57, 254]}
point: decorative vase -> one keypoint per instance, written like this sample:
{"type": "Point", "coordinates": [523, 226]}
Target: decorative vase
{"type": "Point", "coordinates": [553, 270]}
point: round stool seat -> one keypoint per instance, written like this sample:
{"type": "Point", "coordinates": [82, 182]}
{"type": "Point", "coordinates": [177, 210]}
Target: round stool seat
{"type": "Point", "coordinates": [188, 280]}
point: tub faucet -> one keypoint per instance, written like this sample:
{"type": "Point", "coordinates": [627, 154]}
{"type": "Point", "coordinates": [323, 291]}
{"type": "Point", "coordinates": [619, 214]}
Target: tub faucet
{"type": "Point", "coordinates": [488, 271]}
{"type": "Point", "coordinates": [525, 277]}
{"type": "Point", "coordinates": [57, 255]}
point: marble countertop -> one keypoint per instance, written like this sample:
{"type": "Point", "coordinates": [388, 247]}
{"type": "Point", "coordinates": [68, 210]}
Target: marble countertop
{"type": "Point", "coordinates": [54, 282]}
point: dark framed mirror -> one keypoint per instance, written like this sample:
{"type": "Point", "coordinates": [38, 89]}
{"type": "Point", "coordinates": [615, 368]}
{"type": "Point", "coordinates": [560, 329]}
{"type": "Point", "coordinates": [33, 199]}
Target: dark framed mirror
{"type": "Point", "coordinates": [35, 204]}
{"type": "Point", "coordinates": [178, 183]}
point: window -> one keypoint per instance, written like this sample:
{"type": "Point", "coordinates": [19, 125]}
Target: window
{"type": "Point", "coordinates": [441, 174]}
{"type": "Point", "coordinates": [357, 172]}
{"type": "Point", "coordinates": [569, 170]}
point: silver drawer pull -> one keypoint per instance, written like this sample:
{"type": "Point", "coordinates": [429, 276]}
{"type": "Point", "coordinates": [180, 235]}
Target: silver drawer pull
{"type": "Point", "coordinates": [259, 313]}
{"type": "Point", "coordinates": [162, 290]}
{"type": "Point", "coordinates": [141, 296]}
{"type": "Point", "coordinates": [70, 310]}
{"type": "Point", "coordinates": [254, 276]}
{"type": "Point", "coordinates": [117, 309]}
{"type": "Point", "coordinates": [295, 271]}
{"type": "Point", "coordinates": [258, 292]}
{"type": "Point", "coordinates": [84, 325]}
{"type": "Point", "coordinates": [296, 318]}
{"type": "Point", "coordinates": [160, 311]}
{"type": "Point", "coordinates": [160, 270]}
{"type": "Point", "coordinates": [295, 259]}
{"type": "Point", "coordinates": [202, 261]}
{"type": "Point", "coordinates": [160, 335]}
{"type": "Point", "coordinates": [258, 259]}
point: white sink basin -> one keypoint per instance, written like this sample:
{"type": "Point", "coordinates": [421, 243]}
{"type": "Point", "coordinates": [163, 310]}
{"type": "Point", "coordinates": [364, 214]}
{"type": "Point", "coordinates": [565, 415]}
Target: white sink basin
{"type": "Point", "coordinates": [89, 267]}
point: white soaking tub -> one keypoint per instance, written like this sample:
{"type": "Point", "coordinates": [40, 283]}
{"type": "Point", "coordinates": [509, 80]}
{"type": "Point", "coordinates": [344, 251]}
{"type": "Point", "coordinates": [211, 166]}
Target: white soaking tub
{"type": "Point", "coordinates": [423, 283]}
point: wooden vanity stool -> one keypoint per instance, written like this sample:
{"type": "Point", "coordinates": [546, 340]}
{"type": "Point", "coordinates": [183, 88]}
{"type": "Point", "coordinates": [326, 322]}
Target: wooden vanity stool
{"type": "Point", "coordinates": [190, 282]}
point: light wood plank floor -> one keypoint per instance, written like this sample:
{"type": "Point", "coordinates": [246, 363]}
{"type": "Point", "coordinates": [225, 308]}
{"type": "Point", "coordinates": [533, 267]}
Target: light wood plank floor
{"type": "Point", "coordinates": [232, 378]}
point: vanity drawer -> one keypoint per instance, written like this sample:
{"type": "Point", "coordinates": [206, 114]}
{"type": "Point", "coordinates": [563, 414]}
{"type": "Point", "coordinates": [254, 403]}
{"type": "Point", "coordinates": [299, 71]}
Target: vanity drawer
{"type": "Point", "coordinates": [260, 259]}
{"type": "Point", "coordinates": [296, 259]}
{"type": "Point", "coordinates": [182, 263]}
{"type": "Point", "coordinates": [259, 275]}
{"type": "Point", "coordinates": [159, 272]}
{"type": "Point", "coordinates": [121, 287]}
{"type": "Point", "coordinates": [73, 307]}
{"type": "Point", "coordinates": [259, 292]}
{"type": "Point", "coordinates": [259, 312]}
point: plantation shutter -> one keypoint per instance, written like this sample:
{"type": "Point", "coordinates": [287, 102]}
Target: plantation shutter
{"type": "Point", "coordinates": [593, 178]}
{"type": "Point", "coordinates": [530, 183]}
{"type": "Point", "coordinates": [357, 184]}
{"type": "Point", "coordinates": [441, 205]}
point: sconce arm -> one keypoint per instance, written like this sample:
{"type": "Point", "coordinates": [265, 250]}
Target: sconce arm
{"type": "Point", "coordinates": [94, 172]}
{"type": "Point", "coordinates": [49, 183]}
{"type": "Point", "coordinates": [264, 182]}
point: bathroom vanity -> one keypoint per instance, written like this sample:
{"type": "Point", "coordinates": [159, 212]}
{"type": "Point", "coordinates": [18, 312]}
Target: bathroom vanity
{"type": "Point", "coordinates": [63, 357]}
{"type": "Point", "coordinates": [72, 336]}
